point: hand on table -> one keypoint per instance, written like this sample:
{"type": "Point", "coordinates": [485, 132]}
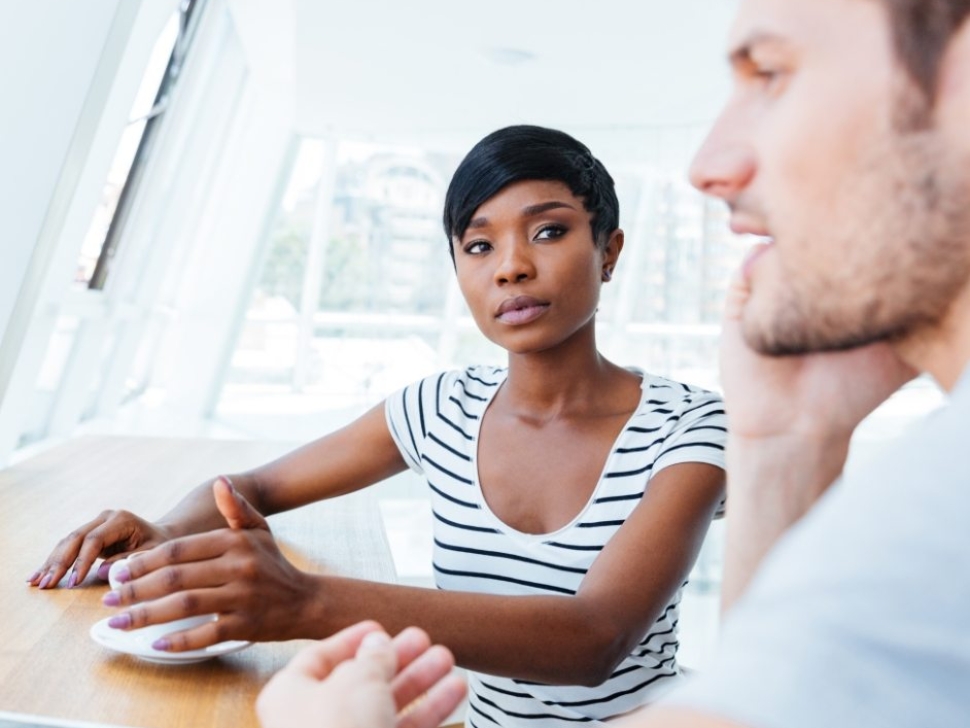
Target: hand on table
{"type": "Point", "coordinates": [359, 678]}
{"type": "Point", "coordinates": [238, 573]}
{"type": "Point", "coordinates": [110, 536]}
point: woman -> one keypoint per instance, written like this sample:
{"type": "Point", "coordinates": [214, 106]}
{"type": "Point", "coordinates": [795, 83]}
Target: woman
{"type": "Point", "coordinates": [570, 495]}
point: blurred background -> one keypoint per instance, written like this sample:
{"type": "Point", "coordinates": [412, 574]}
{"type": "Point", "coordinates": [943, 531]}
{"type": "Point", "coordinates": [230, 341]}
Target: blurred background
{"type": "Point", "coordinates": [221, 218]}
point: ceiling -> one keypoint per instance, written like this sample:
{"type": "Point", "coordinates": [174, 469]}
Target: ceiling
{"type": "Point", "coordinates": [445, 72]}
{"type": "Point", "coordinates": [625, 76]}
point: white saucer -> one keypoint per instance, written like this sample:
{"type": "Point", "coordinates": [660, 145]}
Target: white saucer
{"type": "Point", "coordinates": [138, 642]}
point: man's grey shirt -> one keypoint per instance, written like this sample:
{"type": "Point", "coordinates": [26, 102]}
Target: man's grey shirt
{"type": "Point", "coordinates": [861, 614]}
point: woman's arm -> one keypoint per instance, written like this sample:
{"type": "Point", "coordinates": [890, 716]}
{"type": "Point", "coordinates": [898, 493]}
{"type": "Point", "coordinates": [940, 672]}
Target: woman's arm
{"type": "Point", "coordinates": [558, 639]}
{"type": "Point", "coordinates": [351, 458]}
{"type": "Point", "coordinates": [554, 639]}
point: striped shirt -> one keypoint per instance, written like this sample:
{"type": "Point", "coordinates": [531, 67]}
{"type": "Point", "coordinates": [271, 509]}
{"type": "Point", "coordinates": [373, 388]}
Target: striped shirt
{"type": "Point", "coordinates": [436, 423]}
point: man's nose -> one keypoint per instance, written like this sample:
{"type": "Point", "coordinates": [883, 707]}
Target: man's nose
{"type": "Point", "coordinates": [722, 167]}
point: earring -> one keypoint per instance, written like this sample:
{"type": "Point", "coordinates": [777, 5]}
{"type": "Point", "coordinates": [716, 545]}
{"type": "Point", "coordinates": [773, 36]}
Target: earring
{"type": "Point", "coordinates": [607, 274]}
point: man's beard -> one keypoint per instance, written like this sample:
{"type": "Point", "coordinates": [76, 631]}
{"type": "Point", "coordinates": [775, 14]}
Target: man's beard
{"type": "Point", "coordinates": [899, 254]}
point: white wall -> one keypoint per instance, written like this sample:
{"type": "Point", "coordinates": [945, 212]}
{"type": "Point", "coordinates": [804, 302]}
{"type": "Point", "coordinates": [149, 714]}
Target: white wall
{"type": "Point", "coordinates": [182, 276]}
{"type": "Point", "coordinates": [209, 291]}
{"type": "Point", "coordinates": [43, 95]}
{"type": "Point", "coordinates": [70, 74]}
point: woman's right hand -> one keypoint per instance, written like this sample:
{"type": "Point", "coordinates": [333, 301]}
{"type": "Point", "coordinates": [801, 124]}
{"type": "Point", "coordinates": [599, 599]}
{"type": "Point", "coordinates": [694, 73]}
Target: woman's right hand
{"type": "Point", "coordinates": [111, 534]}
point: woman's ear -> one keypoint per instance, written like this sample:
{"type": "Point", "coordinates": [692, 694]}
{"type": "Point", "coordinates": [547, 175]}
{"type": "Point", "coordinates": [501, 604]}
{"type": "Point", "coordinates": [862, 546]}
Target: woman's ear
{"type": "Point", "coordinates": [611, 253]}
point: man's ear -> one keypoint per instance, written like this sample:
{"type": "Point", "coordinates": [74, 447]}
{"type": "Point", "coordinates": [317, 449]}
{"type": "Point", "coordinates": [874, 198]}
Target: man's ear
{"type": "Point", "coordinates": [953, 90]}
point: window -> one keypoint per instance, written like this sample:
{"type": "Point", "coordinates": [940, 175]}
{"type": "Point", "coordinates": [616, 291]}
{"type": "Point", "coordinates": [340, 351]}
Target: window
{"type": "Point", "coordinates": [103, 238]}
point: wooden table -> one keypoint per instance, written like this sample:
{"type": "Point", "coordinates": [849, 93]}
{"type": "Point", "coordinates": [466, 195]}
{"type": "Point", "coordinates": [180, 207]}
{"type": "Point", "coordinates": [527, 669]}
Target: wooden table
{"type": "Point", "coordinates": [48, 663]}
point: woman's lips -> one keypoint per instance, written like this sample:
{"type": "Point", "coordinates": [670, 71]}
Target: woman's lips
{"type": "Point", "coordinates": [521, 310]}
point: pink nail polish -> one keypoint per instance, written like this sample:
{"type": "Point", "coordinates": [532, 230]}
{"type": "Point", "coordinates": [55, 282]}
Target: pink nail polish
{"type": "Point", "coordinates": [120, 621]}
{"type": "Point", "coordinates": [162, 644]}
{"type": "Point", "coordinates": [103, 571]}
{"type": "Point", "coordinates": [123, 575]}
{"type": "Point", "coordinates": [45, 581]}
{"type": "Point", "coordinates": [111, 599]}
{"type": "Point", "coordinates": [33, 577]}
{"type": "Point", "coordinates": [72, 580]}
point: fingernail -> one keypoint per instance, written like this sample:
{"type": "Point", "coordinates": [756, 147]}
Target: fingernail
{"type": "Point", "coordinates": [111, 599]}
{"type": "Point", "coordinates": [375, 639]}
{"type": "Point", "coordinates": [33, 577]}
{"type": "Point", "coordinates": [45, 581]}
{"type": "Point", "coordinates": [122, 575]}
{"type": "Point", "coordinates": [103, 570]}
{"type": "Point", "coordinates": [120, 621]}
{"type": "Point", "coordinates": [162, 644]}
{"type": "Point", "coordinates": [72, 580]}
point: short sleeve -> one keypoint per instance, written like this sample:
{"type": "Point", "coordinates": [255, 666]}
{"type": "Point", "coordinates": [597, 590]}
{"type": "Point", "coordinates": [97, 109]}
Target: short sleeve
{"type": "Point", "coordinates": [404, 412]}
{"type": "Point", "coordinates": [699, 435]}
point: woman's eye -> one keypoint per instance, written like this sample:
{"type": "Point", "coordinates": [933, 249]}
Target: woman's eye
{"type": "Point", "coordinates": [550, 232]}
{"type": "Point", "coordinates": [478, 247]}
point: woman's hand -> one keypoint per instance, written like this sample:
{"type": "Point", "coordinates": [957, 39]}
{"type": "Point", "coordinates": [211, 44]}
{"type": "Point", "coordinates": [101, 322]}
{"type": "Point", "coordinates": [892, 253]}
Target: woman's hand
{"type": "Point", "coordinates": [112, 535]}
{"type": "Point", "coordinates": [359, 678]}
{"type": "Point", "coordinates": [237, 573]}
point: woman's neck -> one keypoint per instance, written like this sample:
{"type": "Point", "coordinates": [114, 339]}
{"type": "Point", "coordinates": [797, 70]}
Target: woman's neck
{"type": "Point", "coordinates": [571, 380]}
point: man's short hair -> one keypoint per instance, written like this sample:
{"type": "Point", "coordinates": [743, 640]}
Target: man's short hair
{"type": "Point", "coordinates": [922, 29]}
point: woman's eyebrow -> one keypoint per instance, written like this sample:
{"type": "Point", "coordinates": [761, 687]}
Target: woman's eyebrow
{"type": "Point", "coordinates": [530, 211]}
{"type": "Point", "coordinates": [542, 207]}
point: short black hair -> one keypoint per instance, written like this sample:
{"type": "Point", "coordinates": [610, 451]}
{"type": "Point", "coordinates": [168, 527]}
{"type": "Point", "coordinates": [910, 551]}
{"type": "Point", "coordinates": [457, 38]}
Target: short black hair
{"type": "Point", "coordinates": [518, 153]}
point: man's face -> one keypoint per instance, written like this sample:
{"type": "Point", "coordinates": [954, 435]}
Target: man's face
{"type": "Point", "coordinates": [827, 149]}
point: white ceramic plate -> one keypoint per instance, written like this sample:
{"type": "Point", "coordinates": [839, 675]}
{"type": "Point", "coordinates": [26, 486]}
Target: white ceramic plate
{"type": "Point", "coordinates": [138, 642]}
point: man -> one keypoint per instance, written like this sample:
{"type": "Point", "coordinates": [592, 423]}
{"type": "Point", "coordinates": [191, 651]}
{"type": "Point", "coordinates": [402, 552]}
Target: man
{"type": "Point", "coordinates": [846, 143]}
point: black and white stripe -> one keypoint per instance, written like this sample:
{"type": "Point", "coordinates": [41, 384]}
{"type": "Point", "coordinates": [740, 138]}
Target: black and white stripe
{"type": "Point", "coordinates": [436, 422]}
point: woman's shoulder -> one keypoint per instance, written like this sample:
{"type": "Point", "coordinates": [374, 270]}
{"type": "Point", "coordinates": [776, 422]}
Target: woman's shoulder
{"type": "Point", "coordinates": [664, 389]}
{"type": "Point", "coordinates": [448, 399]}
{"type": "Point", "coordinates": [474, 385]}
{"type": "Point", "coordinates": [477, 380]}
{"type": "Point", "coordinates": [482, 375]}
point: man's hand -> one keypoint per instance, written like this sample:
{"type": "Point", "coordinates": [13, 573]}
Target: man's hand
{"type": "Point", "coordinates": [790, 420]}
{"type": "Point", "coordinates": [359, 678]}
{"type": "Point", "coordinates": [823, 395]}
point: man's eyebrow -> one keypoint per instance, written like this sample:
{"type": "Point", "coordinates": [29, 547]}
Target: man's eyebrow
{"type": "Point", "coordinates": [530, 211]}
{"type": "Point", "coordinates": [741, 53]}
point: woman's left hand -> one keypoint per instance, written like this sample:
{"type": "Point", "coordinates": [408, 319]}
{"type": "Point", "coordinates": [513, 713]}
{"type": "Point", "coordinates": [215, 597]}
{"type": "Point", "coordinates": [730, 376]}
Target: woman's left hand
{"type": "Point", "coordinates": [237, 573]}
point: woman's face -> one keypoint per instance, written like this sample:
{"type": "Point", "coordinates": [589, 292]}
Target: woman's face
{"type": "Point", "coordinates": [529, 268]}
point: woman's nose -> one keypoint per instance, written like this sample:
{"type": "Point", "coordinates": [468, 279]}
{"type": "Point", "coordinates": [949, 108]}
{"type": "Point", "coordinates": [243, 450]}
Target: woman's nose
{"type": "Point", "coordinates": [516, 264]}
